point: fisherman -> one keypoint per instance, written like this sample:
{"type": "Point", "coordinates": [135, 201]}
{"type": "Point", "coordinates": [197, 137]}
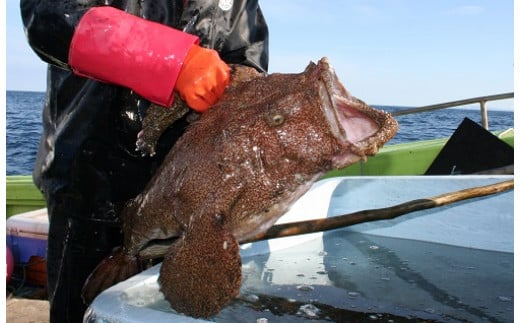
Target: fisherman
{"type": "Point", "coordinates": [107, 64]}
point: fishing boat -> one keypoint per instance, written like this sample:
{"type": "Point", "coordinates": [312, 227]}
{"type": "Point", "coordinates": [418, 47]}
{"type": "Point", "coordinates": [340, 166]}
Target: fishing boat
{"type": "Point", "coordinates": [445, 263]}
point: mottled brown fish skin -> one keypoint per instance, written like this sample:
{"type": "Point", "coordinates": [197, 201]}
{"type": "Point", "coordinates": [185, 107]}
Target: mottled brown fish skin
{"type": "Point", "coordinates": [238, 168]}
{"type": "Point", "coordinates": [217, 261]}
{"type": "Point", "coordinates": [158, 118]}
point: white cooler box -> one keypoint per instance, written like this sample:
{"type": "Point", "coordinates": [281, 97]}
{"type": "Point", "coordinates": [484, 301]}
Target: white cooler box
{"type": "Point", "coordinates": [27, 235]}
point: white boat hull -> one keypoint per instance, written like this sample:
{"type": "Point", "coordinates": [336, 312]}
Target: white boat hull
{"type": "Point", "coordinates": [450, 263]}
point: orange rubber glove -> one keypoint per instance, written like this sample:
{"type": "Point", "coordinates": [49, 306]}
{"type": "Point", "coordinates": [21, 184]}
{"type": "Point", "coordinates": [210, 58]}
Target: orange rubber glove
{"type": "Point", "coordinates": [203, 78]}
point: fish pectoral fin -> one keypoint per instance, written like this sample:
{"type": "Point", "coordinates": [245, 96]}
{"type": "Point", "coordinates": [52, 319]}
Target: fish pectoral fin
{"type": "Point", "coordinates": [115, 268]}
{"type": "Point", "coordinates": [203, 271]}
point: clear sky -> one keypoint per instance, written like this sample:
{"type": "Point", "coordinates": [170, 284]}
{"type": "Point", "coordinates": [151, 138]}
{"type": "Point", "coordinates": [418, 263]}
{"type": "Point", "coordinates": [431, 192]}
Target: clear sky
{"type": "Point", "coordinates": [386, 52]}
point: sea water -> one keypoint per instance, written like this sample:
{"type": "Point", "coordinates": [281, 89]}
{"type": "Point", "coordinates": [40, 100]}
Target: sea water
{"type": "Point", "coordinates": [24, 114]}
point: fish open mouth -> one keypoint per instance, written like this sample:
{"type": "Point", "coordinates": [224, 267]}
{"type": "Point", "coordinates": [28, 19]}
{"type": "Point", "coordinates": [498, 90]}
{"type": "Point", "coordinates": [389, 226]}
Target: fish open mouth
{"type": "Point", "coordinates": [361, 129]}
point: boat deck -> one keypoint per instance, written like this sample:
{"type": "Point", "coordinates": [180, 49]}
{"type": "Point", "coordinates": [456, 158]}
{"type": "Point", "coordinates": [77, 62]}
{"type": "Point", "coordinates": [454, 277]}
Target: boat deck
{"type": "Point", "coordinates": [432, 265]}
{"type": "Point", "coordinates": [23, 310]}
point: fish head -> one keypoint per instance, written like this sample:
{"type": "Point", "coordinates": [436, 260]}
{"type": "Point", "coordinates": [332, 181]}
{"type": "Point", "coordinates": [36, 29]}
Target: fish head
{"type": "Point", "coordinates": [283, 132]}
{"type": "Point", "coordinates": [313, 123]}
{"type": "Point", "coordinates": [328, 126]}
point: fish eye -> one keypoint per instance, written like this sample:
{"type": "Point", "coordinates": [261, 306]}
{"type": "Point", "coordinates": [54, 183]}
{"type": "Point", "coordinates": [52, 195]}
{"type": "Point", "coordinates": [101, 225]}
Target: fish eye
{"type": "Point", "coordinates": [276, 119]}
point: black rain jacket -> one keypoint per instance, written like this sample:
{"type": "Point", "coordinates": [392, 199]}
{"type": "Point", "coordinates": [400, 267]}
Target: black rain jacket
{"type": "Point", "coordinates": [90, 128]}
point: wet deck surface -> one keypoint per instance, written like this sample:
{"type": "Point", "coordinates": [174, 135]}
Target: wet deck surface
{"type": "Point", "coordinates": [22, 310]}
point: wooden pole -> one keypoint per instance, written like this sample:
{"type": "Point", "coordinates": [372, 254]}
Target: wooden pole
{"type": "Point", "coordinates": [295, 228]}
{"type": "Point", "coordinates": [159, 248]}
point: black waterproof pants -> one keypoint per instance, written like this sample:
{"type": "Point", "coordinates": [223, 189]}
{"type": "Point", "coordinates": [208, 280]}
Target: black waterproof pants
{"type": "Point", "coordinates": [77, 243]}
